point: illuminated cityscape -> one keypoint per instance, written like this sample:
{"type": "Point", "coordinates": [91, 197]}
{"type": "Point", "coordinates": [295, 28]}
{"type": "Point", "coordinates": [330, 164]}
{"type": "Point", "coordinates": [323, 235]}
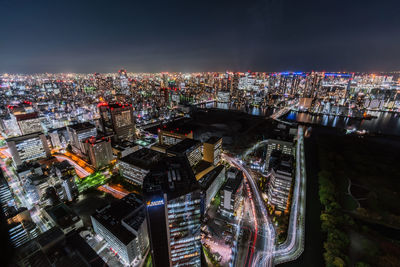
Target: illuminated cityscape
{"type": "Point", "coordinates": [212, 134]}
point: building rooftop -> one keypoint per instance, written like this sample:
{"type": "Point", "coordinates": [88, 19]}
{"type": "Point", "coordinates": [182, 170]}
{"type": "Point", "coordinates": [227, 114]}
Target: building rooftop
{"type": "Point", "coordinates": [201, 166]}
{"type": "Point", "coordinates": [49, 237]}
{"type": "Point", "coordinates": [172, 176]}
{"type": "Point", "coordinates": [63, 165]}
{"type": "Point", "coordinates": [82, 126]}
{"type": "Point", "coordinates": [209, 177]}
{"type": "Point", "coordinates": [26, 116]}
{"type": "Point", "coordinates": [213, 140]}
{"type": "Point", "coordinates": [233, 184]}
{"type": "Point", "coordinates": [177, 126]}
{"type": "Point", "coordinates": [144, 158]}
{"type": "Point", "coordinates": [24, 137]}
{"type": "Point", "coordinates": [129, 209]}
{"type": "Point", "coordinates": [95, 140]}
{"type": "Point", "coordinates": [114, 105]}
{"type": "Point", "coordinates": [183, 146]}
{"type": "Point", "coordinates": [62, 215]}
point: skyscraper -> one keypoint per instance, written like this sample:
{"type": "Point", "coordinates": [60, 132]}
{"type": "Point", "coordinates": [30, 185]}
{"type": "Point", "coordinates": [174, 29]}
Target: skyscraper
{"type": "Point", "coordinates": [212, 149]}
{"type": "Point", "coordinates": [99, 151]}
{"type": "Point", "coordinates": [28, 147]}
{"type": "Point", "coordinates": [29, 123]}
{"type": "Point", "coordinates": [77, 133]}
{"type": "Point", "coordinates": [173, 209]}
{"type": "Point", "coordinates": [118, 119]}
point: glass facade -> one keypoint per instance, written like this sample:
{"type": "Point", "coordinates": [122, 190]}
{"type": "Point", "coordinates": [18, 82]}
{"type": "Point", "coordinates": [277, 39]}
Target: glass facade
{"type": "Point", "coordinates": [184, 228]}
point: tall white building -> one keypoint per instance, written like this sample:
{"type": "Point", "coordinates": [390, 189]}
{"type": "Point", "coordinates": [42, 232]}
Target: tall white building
{"type": "Point", "coordinates": [123, 225]}
{"type": "Point", "coordinates": [28, 147]}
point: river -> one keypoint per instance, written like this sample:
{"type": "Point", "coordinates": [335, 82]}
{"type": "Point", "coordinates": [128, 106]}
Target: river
{"type": "Point", "coordinates": [385, 123]}
{"type": "Point", "coordinates": [252, 110]}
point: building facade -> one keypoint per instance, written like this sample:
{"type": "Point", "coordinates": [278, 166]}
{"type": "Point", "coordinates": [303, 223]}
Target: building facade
{"type": "Point", "coordinates": [123, 225]}
{"type": "Point", "coordinates": [173, 210]}
{"type": "Point", "coordinates": [99, 151]}
{"type": "Point", "coordinates": [231, 194]}
{"type": "Point", "coordinates": [212, 150]}
{"type": "Point", "coordinates": [118, 119]}
{"type": "Point", "coordinates": [28, 147]}
{"type": "Point", "coordinates": [135, 166]}
{"type": "Point", "coordinates": [79, 132]}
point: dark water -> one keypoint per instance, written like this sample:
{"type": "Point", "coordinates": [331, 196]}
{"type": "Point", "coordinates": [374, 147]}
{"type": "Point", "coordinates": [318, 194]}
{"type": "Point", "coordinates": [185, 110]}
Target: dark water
{"type": "Point", "coordinates": [386, 123]}
{"type": "Point", "coordinates": [256, 111]}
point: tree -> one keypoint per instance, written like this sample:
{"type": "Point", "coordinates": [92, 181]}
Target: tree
{"type": "Point", "coordinates": [362, 264]}
{"type": "Point", "coordinates": [339, 262]}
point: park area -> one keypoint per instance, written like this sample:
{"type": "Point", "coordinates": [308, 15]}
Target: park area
{"type": "Point", "coordinates": [93, 180]}
{"type": "Point", "coordinates": [358, 189]}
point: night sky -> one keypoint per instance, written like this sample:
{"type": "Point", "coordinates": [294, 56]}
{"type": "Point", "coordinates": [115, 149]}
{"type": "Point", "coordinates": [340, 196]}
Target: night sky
{"type": "Point", "coordinates": [152, 36]}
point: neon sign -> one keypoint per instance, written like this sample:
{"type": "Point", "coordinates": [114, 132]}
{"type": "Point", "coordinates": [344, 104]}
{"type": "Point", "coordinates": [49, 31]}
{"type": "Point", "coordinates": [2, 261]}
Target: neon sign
{"type": "Point", "coordinates": [155, 203]}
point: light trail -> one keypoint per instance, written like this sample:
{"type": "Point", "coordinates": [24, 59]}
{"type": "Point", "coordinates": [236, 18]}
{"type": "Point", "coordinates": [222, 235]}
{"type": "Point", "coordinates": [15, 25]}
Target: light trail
{"type": "Point", "coordinates": [76, 165]}
{"type": "Point", "coordinates": [116, 193]}
{"type": "Point", "coordinates": [269, 239]}
{"type": "Point", "coordinates": [294, 244]}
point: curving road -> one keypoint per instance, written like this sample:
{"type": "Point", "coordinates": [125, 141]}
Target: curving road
{"type": "Point", "coordinates": [293, 247]}
{"type": "Point", "coordinates": [264, 239]}
{"type": "Point", "coordinates": [266, 254]}
{"type": "Point", "coordinates": [73, 163]}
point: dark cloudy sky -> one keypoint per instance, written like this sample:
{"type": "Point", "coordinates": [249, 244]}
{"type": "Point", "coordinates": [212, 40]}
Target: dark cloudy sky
{"type": "Point", "coordinates": [190, 35]}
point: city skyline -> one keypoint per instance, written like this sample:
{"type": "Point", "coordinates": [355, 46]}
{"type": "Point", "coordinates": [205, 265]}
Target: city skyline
{"type": "Point", "coordinates": [262, 36]}
{"type": "Point", "coordinates": [253, 133]}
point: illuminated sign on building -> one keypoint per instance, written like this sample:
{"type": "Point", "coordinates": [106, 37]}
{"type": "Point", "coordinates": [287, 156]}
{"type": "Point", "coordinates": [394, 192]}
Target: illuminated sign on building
{"type": "Point", "coordinates": [155, 203]}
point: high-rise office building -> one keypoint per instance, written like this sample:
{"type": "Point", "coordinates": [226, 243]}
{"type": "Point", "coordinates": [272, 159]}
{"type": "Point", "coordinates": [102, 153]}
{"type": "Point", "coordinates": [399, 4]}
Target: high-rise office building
{"type": "Point", "coordinates": [123, 225]}
{"type": "Point", "coordinates": [273, 144]}
{"type": "Point", "coordinates": [135, 166]}
{"type": "Point", "coordinates": [99, 151]}
{"type": "Point", "coordinates": [29, 123]}
{"type": "Point", "coordinates": [59, 138]}
{"type": "Point", "coordinates": [211, 182]}
{"type": "Point", "coordinates": [79, 132]}
{"type": "Point", "coordinates": [281, 182]}
{"type": "Point", "coordinates": [28, 147]}
{"type": "Point", "coordinates": [212, 150]}
{"type": "Point", "coordinates": [171, 136]}
{"type": "Point", "coordinates": [188, 147]}
{"type": "Point", "coordinates": [173, 208]}
{"type": "Point", "coordinates": [231, 192]}
{"type": "Point", "coordinates": [118, 119]}
{"type": "Point", "coordinates": [21, 232]}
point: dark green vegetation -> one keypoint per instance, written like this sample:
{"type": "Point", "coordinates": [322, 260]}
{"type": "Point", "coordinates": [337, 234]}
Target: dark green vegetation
{"type": "Point", "coordinates": [359, 181]}
{"type": "Point", "coordinates": [283, 225]}
{"type": "Point", "coordinates": [148, 262]}
{"type": "Point", "coordinates": [210, 257]}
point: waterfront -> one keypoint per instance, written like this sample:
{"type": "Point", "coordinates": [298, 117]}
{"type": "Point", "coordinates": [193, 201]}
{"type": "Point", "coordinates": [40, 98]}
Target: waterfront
{"type": "Point", "coordinates": [251, 110]}
{"type": "Point", "coordinates": [385, 123]}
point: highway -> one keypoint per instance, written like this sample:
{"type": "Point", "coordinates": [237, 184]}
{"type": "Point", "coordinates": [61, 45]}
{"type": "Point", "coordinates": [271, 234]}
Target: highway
{"type": "Point", "coordinates": [261, 252]}
{"type": "Point", "coordinates": [116, 193]}
{"type": "Point", "coordinates": [293, 247]}
{"type": "Point", "coordinates": [266, 253]}
{"type": "Point", "coordinates": [78, 168]}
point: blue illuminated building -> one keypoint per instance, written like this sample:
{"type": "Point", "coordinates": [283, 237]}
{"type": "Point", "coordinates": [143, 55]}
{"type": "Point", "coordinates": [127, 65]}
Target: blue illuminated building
{"type": "Point", "coordinates": [173, 210]}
